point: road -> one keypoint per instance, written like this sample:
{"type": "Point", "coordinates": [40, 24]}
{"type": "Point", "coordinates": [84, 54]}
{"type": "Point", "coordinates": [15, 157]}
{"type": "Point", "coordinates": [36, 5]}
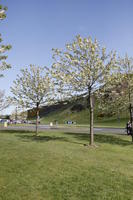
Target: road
{"type": "Point", "coordinates": [62, 128]}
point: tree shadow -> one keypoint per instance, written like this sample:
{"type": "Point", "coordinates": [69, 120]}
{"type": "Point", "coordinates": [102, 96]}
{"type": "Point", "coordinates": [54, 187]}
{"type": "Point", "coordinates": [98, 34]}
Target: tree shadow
{"type": "Point", "coordinates": [16, 131]}
{"type": "Point", "coordinates": [40, 138]}
{"type": "Point", "coordinates": [101, 138]}
{"type": "Point", "coordinates": [26, 136]}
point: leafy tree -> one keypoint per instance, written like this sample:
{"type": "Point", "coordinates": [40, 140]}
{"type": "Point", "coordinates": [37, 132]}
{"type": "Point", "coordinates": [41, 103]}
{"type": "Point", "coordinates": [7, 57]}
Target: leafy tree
{"type": "Point", "coordinates": [81, 69]}
{"type": "Point", "coordinates": [32, 89]}
{"type": "Point", "coordinates": [126, 77]}
{"type": "Point", "coordinates": [3, 48]}
{"type": "Point", "coordinates": [19, 114]}
{"type": "Point", "coordinates": [110, 97]}
{"type": "Point", "coordinates": [4, 103]}
{"type": "Point", "coordinates": [118, 94]}
{"type": "Point", "coordinates": [2, 12]}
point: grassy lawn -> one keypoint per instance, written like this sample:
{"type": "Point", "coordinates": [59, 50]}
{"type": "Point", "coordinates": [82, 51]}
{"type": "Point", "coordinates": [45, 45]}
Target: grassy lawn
{"type": "Point", "coordinates": [114, 123]}
{"type": "Point", "coordinates": [57, 166]}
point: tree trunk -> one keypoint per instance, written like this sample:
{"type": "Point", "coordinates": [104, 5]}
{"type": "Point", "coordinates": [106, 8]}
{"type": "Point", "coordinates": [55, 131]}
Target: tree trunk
{"type": "Point", "coordinates": [37, 116]}
{"type": "Point", "coordinates": [91, 119]}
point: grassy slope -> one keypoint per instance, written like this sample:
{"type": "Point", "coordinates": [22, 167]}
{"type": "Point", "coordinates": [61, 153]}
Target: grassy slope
{"type": "Point", "coordinates": [57, 166]}
{"type": "Point", "coordinates": [82, 117]}
{"type": "Point", "coordinates": [63, 113]}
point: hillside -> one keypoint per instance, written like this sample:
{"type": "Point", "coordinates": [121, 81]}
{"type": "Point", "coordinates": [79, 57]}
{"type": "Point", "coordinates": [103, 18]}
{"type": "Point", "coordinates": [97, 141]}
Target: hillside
{"type": "Point", "coordinates": [77, 112]}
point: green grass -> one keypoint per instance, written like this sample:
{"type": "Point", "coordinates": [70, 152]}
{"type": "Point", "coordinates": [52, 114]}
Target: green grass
{"type": "Point", "coordinates": [82, 118]}
{"type": "Point", "coordinates": [112, 122]}
{"type": "Point", "coordinates": [57, 166]}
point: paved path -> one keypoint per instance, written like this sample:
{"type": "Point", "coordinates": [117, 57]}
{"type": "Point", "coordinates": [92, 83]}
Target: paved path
{"type": "Point", "coordinates": [69, 129]}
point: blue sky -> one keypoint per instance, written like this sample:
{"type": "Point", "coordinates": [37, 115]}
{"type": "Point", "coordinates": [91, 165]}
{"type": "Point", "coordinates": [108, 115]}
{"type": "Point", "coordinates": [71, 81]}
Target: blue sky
{"type": "Point", "coordinates": [34, 27]}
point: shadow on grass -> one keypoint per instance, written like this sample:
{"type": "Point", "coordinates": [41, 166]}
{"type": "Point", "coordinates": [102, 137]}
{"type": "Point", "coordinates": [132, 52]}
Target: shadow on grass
{"type": "Point", "coordinates": [41, 138]}
{"type": "Point", "coordinates": [27, 138]}
{"type": "Point", "coordinates": [16, 131]}
{"type": "Point", "coordinates": [81, 138]}
{"type": "Point", "coordinates": [101, 138]}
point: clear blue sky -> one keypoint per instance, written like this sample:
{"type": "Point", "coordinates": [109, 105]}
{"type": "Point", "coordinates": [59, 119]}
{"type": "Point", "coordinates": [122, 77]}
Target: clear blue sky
{"type": "Point", "coordinates": [34, 27]}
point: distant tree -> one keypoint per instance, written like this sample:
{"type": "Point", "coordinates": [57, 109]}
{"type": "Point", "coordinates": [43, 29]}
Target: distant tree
{"type": "Point", "coordinates": [4, 103]}
{"type": "Point", "coordinates": [32, 89]}
{"type": "Point", "coordinates": [3, 48]}
{"type": "Point", "coordinates": [19, 114]}
{"type": "Point", "coordinates": [81, 69]}
{"type": "Point", "coordinates": [13, 115]}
